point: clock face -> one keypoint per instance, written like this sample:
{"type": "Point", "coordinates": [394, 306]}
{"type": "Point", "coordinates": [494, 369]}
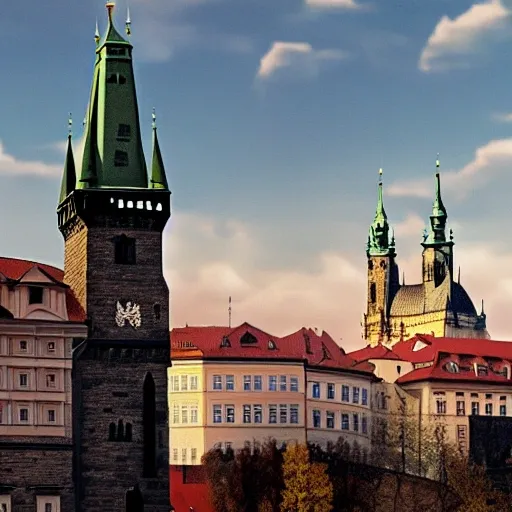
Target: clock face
{"type": "Point", "coordinates": [128, 315]}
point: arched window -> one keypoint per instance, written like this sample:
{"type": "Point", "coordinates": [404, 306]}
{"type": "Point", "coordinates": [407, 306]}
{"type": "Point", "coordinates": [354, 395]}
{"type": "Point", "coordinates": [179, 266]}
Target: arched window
{"type": "Point", "coordinates": [149, 422]}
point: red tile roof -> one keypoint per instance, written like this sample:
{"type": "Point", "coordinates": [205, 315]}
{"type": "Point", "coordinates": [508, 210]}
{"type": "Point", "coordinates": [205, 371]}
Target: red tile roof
{"type": "Point", "coordinates": [14, 269]}
{"type": "Point", "coordinates": [225, 343]}
{"type": "Point", "coordinates": [377, 352]}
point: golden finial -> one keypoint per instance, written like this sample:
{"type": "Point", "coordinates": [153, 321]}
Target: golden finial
{"type": "Point", "coordinates": [128, 22]}
{"type": "Point", "coordinates": [97, 34]}
{"type": "Point", "coordinates": [110, 8]}
{"type": "Point", "coordinates": [380, 175]}
{"type": "Point", "coordinates": [437, 161]}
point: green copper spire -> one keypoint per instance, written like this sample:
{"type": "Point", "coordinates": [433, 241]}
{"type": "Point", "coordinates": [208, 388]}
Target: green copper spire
{"type": "Point", "coordinates": [378, 238]}
{"type": "Point", "coordinates": [69, 175]}
{"type": "Point", "coordinates": [437, 234]}
{"type": "Point", "coordinates": [113, 154]}
{"type": "Point", "coordinates": [158, 177]}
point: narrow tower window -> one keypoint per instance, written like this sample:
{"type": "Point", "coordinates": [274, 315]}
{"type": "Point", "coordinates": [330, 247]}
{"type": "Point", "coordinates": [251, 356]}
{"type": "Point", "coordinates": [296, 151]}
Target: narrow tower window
{"type": "Point", "coordinates": [123, 132]}
{"type": "Point", "coordinates": [157, 310]}
{"type": "Point", "coordinates": [124, 250]}
{"type": "Point", "coordinates": [373, 293]}
{"type": "Point", "coordinates": [149, 423]}
{"type": "Point", "coordinates": [134, 500]}
{"type": "Point", "coordinates": [121, 158]}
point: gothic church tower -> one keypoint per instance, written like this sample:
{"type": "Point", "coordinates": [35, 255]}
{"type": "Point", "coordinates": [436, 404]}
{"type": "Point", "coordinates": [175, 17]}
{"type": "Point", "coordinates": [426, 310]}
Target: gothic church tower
{"type": "Point", "coordinates": [112, 217]}
{"type": "Point", "coordinates": [382, 274]}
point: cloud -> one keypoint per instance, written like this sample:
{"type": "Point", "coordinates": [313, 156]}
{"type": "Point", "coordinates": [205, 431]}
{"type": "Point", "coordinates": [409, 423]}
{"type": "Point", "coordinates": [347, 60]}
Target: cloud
{"type": "Point", "coordinates": [300, 56]}
{"type": "Point", "coordinates": [329, 295]}
{"type": "Point", "coordinates": [453, 38]}
{"type": "Point", "coordinates": [490, 159]}
{"type": "Point", "coordinates": [411, 226]}
{"type": "Point", "coordinates": [10, 165]}
{"type": "Point", "coordinates": [334, 4]}
{"type": "Point", "coordinates": [502, 117]}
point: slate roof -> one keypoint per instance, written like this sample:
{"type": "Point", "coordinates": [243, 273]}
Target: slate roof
{"type": "Point", "coordinates": [304, 345]}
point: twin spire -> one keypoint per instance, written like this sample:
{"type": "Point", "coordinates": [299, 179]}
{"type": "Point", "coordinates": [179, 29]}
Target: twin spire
{"type": "Point", "coordinates": [379, 241]}
{"type": "Point", "coordinates": [113, 155]}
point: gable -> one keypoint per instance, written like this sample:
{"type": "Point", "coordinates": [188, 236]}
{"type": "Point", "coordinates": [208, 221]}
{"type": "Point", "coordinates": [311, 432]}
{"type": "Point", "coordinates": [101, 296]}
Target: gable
{"type": "Point", "coordinates": [37, 275]}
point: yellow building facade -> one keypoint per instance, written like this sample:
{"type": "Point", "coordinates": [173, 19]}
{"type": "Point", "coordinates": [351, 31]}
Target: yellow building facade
{"type": "Point", "coordinates": [439, 305]}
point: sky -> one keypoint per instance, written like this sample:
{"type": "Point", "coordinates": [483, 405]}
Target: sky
{"type": "Point", "coordinates": [274, 118]}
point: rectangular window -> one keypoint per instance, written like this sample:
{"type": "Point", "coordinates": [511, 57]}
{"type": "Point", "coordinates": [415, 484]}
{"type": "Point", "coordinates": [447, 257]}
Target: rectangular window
{"type": "Point", "coordinates": [175, 383]}
{"type": "Point", "coordinates": [23, 415]}
{"type": "Point", "coordinates": [317, 419]}
{"type": "Point", "coordinates": [503, 410]}
{"type": "Point", "coordinates": [344, 422]}
{"type": "Point", "coordinates": [441, 406]}
{"type": "Point", "coordinates": [258, 383]}
{"type": "Point", "coordinates": [283, 413]}
{"type": "Point", "coordinates": [23, 380]}
{"type": "Point", "coordinates": [294, 384]}
{"type": "Point", "coordinates": [364, 396]}
{"type": "Point", "coordinates": [176, 414]}
{"type": "Point", "coordinates": [461, 408]}
{"type": "Point", "coordinates": [120, 158]}
{"type": "Point", "coordinates": [272, 413]}
{"type": "Point", "coordinates": [475, 408]}
{"type": "Point", "coordinates": [175, 454]}
{"type": "Point", "coordinates": [230, 414]}
{"type": "Point", "coordinates": [51, 416]}
{"type": "Point", "coordinates": [272, 383]}
{"type": "Point", "coordinates": [47, 504]}
{"type": "Point", "coordinates": [247, 383]}
{"type": "Point", "coordinates": [183, 455]}
{"type": "Point", "coordinates": [330, 391]}
{"type": "Point", "coordinates": [5, 503]}
{"type": "Point", "coordinates": [23, 346]}
{"type": "Point", "coordinates": [50, 380]}
{"type": "Point", "coordinates": [258, 413]}
{"type": "Point", "coordinates": [345, 393]}
{"type": "Point", "coordinates": [315, 389]}
{"type": "Point", "coordinates": [474, 395]}
{"type": "Point", "coordinates": [355, 419]}
{"type": "Point", "coordinates": [217, 382]}
{"type": "Point", "coordinates": [247, 414]}
{"type": "Point", "coordinates": [184, 414]}
{"type": "Point", "coordinates": [193, 414]}
{"type": "Point", "coordinates": [330, 419]}
{"type": "Point", "coordinates": [230, 383]}
{"type": "Point", "coordinates": [35, 294]}
{"type": "Point", "coordinates": [294, 414]}
{"type": "Point", "coordinates": [228, 445]}
{"type": "Point", "coordinates": [282, 383]}
{"type": "Point", "coordinates": [217, 414]}
{"type": "Point", "coordinates": [488, 409]}
{"type": "Point", "coordinates": [123, 132]}
{"type": "Point", "coordinates": [51, 346]}
{"type": "Point", "coordinates": [355, 395]}
{"type": "Point", "coordinates": [193, 454]}
{"type": "Point", "coordinates": [184, 383]}
{"type": "Point", "coordinates": [193, 383]}
{"type": "Point", "coordinates": [488, 396]}
{"type": "Point", "coordinates": [124, 250]}
{"type": "Point", "coordinates": [364, 424]}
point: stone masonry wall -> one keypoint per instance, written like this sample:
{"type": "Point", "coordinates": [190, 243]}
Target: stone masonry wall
{"type": "Point", "coordinates": [75, 262]}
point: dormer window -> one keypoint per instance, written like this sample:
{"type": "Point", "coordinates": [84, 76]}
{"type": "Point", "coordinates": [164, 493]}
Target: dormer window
{"type": "Point", "coordinates": [225, 343]}
{"type": "Point", "coordinates": [481, 370]}
{"type": "Point", "coordinates": [271, 345]}
{"type": "Point", "coordinates": [248, 339]}
{"type": "Point", "coordinates": [35, 295]}
{"type": "Point", "coordinates": [451, 367]}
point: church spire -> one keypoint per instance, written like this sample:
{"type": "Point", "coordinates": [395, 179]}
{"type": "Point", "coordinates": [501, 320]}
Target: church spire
{"type": "Point", "coordinates": [158, 177]}
{"type": "Point", "coordinates": [69, 174]}
{"type": "Point", "coordinates": [378, 238]}
{"type": "Point", "coordinates": [113, 154]}
{"type": "Point", "coordinates": [437, 232]}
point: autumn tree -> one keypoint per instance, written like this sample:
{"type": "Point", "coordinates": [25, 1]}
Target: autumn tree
{"type": "Point", "coordinates": [307, 485]}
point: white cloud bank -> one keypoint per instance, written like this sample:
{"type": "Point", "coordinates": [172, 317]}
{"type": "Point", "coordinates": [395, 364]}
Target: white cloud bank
{"type": "Point", "coordinates": [502, 117]}
{"type": "Point", "coordinates": [334, 4]}
{"type": "Point", "coordinates": [10, 165]}
{"type": "Point", "coordinates": [490, 159]}
{"type": "Point", "coordinates": [296, 55]}
{"type": "Point", "coordinates": [453, 38]}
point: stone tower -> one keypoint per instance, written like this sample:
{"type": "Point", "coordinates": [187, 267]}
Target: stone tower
{"type": "Point", "coordinates": [382, 274]}
{"type": "Point", "coordinates": [112, 217]}
{"type": "Point", "coordinates": [437, 250]}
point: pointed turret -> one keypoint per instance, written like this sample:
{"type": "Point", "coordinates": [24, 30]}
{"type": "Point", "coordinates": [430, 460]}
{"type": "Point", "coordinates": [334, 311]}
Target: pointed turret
{"type": "Point", "coordinates": [158, 177]}
{"type": "Point", "coordinates": [113, 155]}
{"type": "Point", "coordinates": [437, 232]}
{"type": "Point", "coordinates": [69, 174]}
{"type": "Point", "coordinates": [378, 238]}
